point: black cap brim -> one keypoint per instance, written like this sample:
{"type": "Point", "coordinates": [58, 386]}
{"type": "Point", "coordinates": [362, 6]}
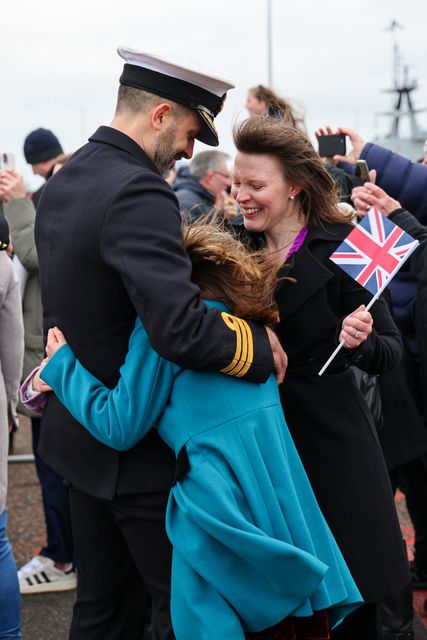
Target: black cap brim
{"type": "Point", "coordinates": [208, 134]}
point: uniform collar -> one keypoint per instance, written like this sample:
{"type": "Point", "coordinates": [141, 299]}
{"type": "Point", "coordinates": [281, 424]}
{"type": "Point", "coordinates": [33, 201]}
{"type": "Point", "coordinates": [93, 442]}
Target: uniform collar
{"type": "Point", "coordinates": [115, 138]}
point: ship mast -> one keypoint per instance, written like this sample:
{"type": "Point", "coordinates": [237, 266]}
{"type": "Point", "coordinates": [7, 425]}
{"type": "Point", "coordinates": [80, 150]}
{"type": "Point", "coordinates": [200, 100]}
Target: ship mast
{"type": "Point", "coordinates": [401, 91]}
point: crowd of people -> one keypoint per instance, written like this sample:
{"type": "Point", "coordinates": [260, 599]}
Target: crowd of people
{"type": "Point", "coordinates": [199, 478]}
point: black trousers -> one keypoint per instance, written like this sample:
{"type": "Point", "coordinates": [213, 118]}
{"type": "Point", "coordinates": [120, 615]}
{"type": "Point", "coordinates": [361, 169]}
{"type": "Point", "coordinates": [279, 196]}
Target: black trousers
{"type": "Point", "coordinates": [124, 563]}
{"type": "Point", "coordinates": [362, 624]}
{"type": "Point", "coordinates": [396, 610]}
{"type": "Point", "coordinates": [56, 507]}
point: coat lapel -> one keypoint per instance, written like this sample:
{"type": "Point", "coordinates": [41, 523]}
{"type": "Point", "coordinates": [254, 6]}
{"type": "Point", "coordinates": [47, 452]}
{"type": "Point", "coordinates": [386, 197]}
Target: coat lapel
{"type": "Point", "coordinates": [310, 273]}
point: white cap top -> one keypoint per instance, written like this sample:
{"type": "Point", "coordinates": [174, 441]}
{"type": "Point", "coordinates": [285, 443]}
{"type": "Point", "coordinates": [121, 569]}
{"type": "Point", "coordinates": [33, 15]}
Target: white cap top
{"type": "Point", "coordinates": [217, 86]}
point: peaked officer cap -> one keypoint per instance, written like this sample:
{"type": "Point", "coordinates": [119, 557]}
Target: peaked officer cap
{"type": "Point", "coordinates": [205, 94]}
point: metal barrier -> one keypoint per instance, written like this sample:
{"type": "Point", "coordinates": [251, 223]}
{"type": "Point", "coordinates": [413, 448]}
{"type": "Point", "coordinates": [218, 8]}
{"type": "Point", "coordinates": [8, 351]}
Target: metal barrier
{"type": "Point", "coordinates": [25, 457]}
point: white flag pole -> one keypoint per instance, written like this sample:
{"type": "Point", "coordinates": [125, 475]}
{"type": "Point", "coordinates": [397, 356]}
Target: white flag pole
{"type": "Point", "coordinates": [371, 302]}
{"type": "Point", "coordinates": [331, 357]}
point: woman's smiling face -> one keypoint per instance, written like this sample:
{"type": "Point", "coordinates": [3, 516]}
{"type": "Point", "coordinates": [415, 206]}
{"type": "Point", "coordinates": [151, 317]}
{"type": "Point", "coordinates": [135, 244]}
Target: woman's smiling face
{"type": "Point", "coordinates": [261, 191]}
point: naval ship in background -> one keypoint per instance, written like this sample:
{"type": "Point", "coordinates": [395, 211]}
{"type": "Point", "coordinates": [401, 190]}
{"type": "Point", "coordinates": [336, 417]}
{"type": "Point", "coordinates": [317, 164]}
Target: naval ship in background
{"type": "Point", "coordinates": [403, 110]}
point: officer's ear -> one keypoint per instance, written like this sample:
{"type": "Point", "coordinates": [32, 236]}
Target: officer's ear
{"type": "Point", "coordinates": [161, 115]}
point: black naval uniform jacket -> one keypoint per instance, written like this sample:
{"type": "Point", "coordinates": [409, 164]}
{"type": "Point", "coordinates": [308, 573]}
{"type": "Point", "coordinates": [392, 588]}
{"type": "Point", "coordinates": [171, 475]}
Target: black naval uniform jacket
{"type": "Point", "coordinates": [108, 235]}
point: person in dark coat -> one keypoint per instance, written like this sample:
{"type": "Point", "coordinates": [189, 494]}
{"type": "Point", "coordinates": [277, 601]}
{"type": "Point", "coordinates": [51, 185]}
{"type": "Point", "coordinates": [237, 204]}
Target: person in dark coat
{"type": "Point", "coordinates": [51, 569]}
{"type": "Point", "coordinates": [289, 206]}
{"type": "Point", "coordinates": [412, 476]}
{"type": "Point", "coordinates": [414, 442]}
{"type": "Point", "coordinates": [406, 183]}
{"type": "Point", "coordinates": [108, 234]}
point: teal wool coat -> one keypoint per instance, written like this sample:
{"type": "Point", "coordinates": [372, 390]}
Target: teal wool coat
{"type": "Point", "coordinates": [250, 545]}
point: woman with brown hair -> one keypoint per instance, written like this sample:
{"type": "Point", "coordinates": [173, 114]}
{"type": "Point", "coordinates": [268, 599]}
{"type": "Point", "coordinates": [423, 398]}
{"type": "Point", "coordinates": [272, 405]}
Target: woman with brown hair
{"type": "Point", "coordinates": [263, 101]}
{"type": "Point", "coordinates": [252, 554]}
{"type": "Point", "coordinates": [290, 208]}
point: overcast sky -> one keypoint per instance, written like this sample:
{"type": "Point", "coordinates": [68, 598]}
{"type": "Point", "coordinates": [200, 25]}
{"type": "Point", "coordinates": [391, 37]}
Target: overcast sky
{"type": "Point", "coordinates": [59, 67]}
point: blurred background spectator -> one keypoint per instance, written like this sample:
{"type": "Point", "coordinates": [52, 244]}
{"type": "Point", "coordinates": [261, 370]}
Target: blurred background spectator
{"type": "Point", "coordinates": [405, 183]}
{"type": "Point", "coordinates": [11, 352]}
{"type": "Point", "coordinates": [262, 101]}
{"type": "Point", "coordinates": [55, 559]}
{"type": "Point", "coordinates": [205, 185]}
{"type": "Point", "coordinates": [41, 148]}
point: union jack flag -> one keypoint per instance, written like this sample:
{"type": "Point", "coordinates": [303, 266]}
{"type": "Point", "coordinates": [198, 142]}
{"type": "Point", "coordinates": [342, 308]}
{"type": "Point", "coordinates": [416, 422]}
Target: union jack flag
{"type": "Point", "coordinates": [374, 251]}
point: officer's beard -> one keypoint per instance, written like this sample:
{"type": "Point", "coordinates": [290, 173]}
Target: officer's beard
{"type": "Point", "coordinates": [165, 155]}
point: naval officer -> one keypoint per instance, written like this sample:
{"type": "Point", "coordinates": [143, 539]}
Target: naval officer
{"type": "Point", "coordinates": [109, 242]}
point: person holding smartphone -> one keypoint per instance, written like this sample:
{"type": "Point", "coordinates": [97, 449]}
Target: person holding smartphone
{"type": "Point", "coordinates": [399, 182]}
{"type": "Point", "coordinates": [402, 179]}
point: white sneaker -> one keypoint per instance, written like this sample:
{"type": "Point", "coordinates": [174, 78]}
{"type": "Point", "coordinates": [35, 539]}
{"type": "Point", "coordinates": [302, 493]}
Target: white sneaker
{"type": "Point", "coordinates": [40, 575]}
{"type": "Point", "coordinates": [35, 563]}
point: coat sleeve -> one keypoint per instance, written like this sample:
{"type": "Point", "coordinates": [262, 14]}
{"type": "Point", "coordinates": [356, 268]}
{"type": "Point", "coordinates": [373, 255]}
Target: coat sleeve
{"type": "Point", "coordinates": [142, 241]}
{"type": "Point", "coordinates": [418, 266]}
{"type": "Point", "coordinates": [118, 417]}
{"type": "Point", "coordinates": [36, 401]}
{"type": "Point", "coordinates": [382, 351]}
{"type": "Point", "coordinates": [12, 331]}
{"type": "Point", "coordinates": [418, 260]}
{"type": "Point", "coordinates": [189, 202]}
{"type": "Point", "coordinates": [420, 318]}
{"type": "Point", "coordinates": [402, 179]}
{"type": "Point", "coordinates": [21, 216]}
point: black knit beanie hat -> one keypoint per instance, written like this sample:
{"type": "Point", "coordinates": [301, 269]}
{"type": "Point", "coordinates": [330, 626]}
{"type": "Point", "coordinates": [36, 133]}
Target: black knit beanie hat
{"type": "Point", "coordinates": [4, 232]}
{"type": "Point", "coordinates": [41, 145]}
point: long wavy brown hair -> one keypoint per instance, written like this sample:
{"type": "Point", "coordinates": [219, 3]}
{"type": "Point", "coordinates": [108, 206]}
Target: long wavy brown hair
{"type": "Point", "coordinates": [301, 165]}
{"type": "Point", "coordinates": [225, 270]}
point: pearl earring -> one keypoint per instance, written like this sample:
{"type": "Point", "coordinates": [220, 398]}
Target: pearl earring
{"type": "Point", "coordinates": [292, 197]}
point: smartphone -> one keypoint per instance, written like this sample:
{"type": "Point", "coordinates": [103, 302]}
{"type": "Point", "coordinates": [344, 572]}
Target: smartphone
{"type": "Point", "coordinates": [7, 161]}
{"type": "Point", "coordinates": [333, 145]}
{"type": "Point", "coordinates": [362, 170]}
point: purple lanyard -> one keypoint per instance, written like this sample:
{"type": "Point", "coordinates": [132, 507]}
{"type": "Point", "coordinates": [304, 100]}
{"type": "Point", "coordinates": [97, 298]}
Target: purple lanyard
{"type": "Point", "coordinates": [298, 241]}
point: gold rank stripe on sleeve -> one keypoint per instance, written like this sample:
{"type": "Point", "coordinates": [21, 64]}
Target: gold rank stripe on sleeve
{"type": "Point", "coordinates": [244, 355]}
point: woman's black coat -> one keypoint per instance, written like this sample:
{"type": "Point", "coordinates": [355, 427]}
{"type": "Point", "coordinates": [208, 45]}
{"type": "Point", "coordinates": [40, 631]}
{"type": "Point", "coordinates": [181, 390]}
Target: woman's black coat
{"type": "Point", "coordinates": [328, 417]}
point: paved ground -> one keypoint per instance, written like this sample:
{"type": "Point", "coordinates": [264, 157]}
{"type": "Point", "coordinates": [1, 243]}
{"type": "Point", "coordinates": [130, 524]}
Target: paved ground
{"type": "Point", "coordinates": [47, 616]}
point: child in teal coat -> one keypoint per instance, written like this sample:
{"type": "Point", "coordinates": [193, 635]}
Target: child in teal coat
{"type": "Point", "coordinates": [250, 545]}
